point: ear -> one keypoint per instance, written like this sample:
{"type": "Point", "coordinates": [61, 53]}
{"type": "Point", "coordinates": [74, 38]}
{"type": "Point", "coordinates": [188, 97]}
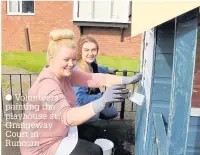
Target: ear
{"type": "Point", "coordinates": [50, 56]}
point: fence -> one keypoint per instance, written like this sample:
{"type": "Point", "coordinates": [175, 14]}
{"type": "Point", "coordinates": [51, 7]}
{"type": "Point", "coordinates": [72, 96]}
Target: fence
{"type": "Point", "coordinates": [20, 83]}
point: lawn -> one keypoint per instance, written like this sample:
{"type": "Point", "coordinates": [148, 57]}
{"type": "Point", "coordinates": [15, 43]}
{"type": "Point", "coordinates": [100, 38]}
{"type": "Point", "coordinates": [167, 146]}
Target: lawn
{"type": "Point", "coordinates": [35, 61]}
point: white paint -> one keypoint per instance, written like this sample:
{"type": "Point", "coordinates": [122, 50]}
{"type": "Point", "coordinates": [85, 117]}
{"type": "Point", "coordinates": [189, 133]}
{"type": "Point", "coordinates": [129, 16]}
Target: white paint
{"type": "Point", "coordinates": [16, 11]}
{"type": "Point", "coordinates": [147, 74]}
{"type": "Point", "coordinates": [195, 112]}
{"type": "Point", "coordinates": [91, 11]}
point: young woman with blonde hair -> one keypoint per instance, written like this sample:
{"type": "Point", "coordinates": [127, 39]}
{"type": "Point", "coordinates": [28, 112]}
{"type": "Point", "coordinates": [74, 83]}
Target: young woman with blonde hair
{"type": "Point", "coordinates": [55, 82]}
{"type": "Point", "coordinates": [87, 51]}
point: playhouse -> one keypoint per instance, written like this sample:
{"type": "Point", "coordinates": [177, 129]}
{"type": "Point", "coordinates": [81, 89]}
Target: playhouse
{"type": "Point", "coordinates": [168, 122]}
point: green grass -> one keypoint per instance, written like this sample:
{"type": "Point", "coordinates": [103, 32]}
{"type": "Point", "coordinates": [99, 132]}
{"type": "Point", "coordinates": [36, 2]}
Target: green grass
{"type": "Point", "coordinates": [35, 61]}
{"type": "Point", "coordinates": [5, 83]}
{"type": "Point", "coordinates": [29, 61]}
{"type": "Point", "coordinates": [119, 62]}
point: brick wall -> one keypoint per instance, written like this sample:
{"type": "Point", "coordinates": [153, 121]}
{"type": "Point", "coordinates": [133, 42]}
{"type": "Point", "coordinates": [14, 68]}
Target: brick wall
{"type": "Point", "coordinates": [196, 88]}
{"type": "Point", "coordinates": [51, 15]}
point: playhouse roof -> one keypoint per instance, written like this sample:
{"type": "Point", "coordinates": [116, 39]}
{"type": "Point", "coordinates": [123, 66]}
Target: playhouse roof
{"type": "Point", "coordinates": [148, 14]}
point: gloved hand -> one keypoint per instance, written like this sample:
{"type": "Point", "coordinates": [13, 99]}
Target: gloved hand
{"type": "Point", "coordinates": [112, 94]}
{"type": "Point", "coordinates": [132, 80]}
{"type": "Point", "coordinates": [112, 71]}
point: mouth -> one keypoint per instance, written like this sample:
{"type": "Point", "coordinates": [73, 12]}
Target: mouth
{"type": "Point", "coordinates": [68, 69]}
{"type": "Point", "coordinates": [90, 57]}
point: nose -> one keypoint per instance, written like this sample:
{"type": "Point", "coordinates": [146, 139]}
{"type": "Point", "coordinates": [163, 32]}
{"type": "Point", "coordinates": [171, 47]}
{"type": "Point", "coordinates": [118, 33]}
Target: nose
{"type": "Point", "coordinates": [70, 63]}
{"type": "Point", "coordinates": [91, 52]}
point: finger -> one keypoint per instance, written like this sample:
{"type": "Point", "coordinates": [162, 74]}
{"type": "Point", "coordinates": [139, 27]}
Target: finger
{"type": "Point", "coordinates": [124, 96]}
{"type": "Point", "coordinates": [139, 75]}
{"type": "Point", "coordinates": [121, 91]}
{"type": "Point", "coordinates": [120, 96]}
{"type": "Point", "coordinates": [117, 100]}
{"type": "Point", "coordinates": [119, 87]}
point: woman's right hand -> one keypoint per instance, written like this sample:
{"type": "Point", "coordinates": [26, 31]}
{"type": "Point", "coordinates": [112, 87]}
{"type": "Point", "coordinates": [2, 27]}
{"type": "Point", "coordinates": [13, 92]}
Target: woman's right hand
{"type": "Point", "coordinates": [112, 94]}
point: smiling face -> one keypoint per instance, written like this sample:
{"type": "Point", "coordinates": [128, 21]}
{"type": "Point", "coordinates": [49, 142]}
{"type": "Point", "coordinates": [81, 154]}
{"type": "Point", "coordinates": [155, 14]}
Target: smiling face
{"type": "Point", "coordinates": [89, 52]}
{"type": "Point", "coordinates": [64, 61]}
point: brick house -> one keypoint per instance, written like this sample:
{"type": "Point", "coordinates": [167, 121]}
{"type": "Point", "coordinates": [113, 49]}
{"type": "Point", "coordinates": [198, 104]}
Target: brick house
{"type": "Point", "coordinates": [111, 27]}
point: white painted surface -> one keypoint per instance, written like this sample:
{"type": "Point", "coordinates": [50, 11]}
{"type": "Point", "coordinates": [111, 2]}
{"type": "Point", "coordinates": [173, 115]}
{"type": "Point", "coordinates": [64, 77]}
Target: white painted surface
{"type": "Point", "coordinates": [195, 112]}
{"type": "Point", "coordinates": [102, 11]}
{"type": "Point", "coordinates": [147, 73]}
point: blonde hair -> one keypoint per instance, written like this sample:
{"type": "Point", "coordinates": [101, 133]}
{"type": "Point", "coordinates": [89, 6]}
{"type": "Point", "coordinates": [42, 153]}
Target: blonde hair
{"type": "Point", "coordinates": [59, 38]}
{"type": "Point", "coordinates": [82, 65]}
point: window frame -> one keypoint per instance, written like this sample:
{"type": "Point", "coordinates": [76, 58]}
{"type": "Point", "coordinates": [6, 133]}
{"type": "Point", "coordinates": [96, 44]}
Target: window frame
{"type": "Point", "coordinates": [77, 19]}
{"type": "Point", "coordinates": [19, 13]}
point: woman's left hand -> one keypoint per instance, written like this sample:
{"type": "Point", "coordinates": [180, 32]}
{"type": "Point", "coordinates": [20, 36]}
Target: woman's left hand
{"type": "Point", "coordinates": [132, 80]}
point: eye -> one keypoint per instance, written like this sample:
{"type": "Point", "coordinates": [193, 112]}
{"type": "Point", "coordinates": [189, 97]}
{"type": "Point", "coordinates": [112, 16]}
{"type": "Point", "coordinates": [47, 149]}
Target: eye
{"type": "Point", "coordinates": [94, 50]}
{"type": "Point", "coordinates": [66, 59]}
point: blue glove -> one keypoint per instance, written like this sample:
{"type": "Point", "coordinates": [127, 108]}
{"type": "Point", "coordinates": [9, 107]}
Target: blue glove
{"type": "Point", "coordinates": [131, 80]}
{"type": "Point", "coordinates": [112, 94]}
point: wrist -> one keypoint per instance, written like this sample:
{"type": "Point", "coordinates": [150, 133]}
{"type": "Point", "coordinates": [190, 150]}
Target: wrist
{"type": "Point", "coordinates": [92, 109]}
{"type": "Point", "coordinates": [124, 80]}
{"type": "Point", "coordinates": [97, 105]}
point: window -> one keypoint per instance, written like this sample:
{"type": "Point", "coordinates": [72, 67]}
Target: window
{"type": "Point", "coordinates": [20, 7]}
{"type": "Point", "coordinates": [116, 11]}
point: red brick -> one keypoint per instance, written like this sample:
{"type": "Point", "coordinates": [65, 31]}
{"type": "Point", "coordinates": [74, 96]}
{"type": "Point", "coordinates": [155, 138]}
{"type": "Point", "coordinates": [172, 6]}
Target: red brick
{"type": "Point", "coordinates": [51, 15]}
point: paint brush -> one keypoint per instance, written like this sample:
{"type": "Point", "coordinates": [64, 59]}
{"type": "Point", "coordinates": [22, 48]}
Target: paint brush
{"type": "Point", "coordinates": [136, 97]}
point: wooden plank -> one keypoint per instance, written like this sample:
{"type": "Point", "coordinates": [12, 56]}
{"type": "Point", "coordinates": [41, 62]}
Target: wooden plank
{"type": "Point", "coordinates": [194, 121]}
{"type": "Point", "coordinates": [161, 89]}
{"type": "Point", "coordinates": [165, 35]}
{"type": "Point", "coordinates": [146, 89]}
{"type": "Point", "coordinates": [159, 82]}
{"type": "Point", "coordinates": [193, 150]}
{"type": "Point", "coordinates": [161, 108]}
{"type": "Point", "coordinates": [182, 81]}
{"type": "Point", "coordinates": [153, 146]}
{"type": "Point", "coordinates": [140, 129]}
{"type": "Point", "coordinates": [195, 112]}
{"type": "Point", "coordinates": [161, 137]}
{"type": "Point", "coordinates": [194, 136]}
{"type": "Point", "coordinates": [148, 71]}
{"type": "Point", "coordinates": [163, 65]}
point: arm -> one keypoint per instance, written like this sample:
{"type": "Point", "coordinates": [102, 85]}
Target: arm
{"type": "Point", "coordinates": [102, 69]}
{"type": "Point", "coordinates": [78, 115]}
{"type": "Point", "coordinates": [82, 97]}
{"type": "Point", "coordinates": [112, 94]}
{"type": "Point", "coordinates": [68, 115]}
{"type": "Point", "coordinates": [94, 80]}
{"type": "Point", "coordinates": [107, 70]}
{"type": "Point", "coordinates": [72, 116]}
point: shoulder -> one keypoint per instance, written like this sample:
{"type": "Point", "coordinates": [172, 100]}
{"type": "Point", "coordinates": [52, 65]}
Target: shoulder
{"type": "Point", "coordinates": [47, 79]}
